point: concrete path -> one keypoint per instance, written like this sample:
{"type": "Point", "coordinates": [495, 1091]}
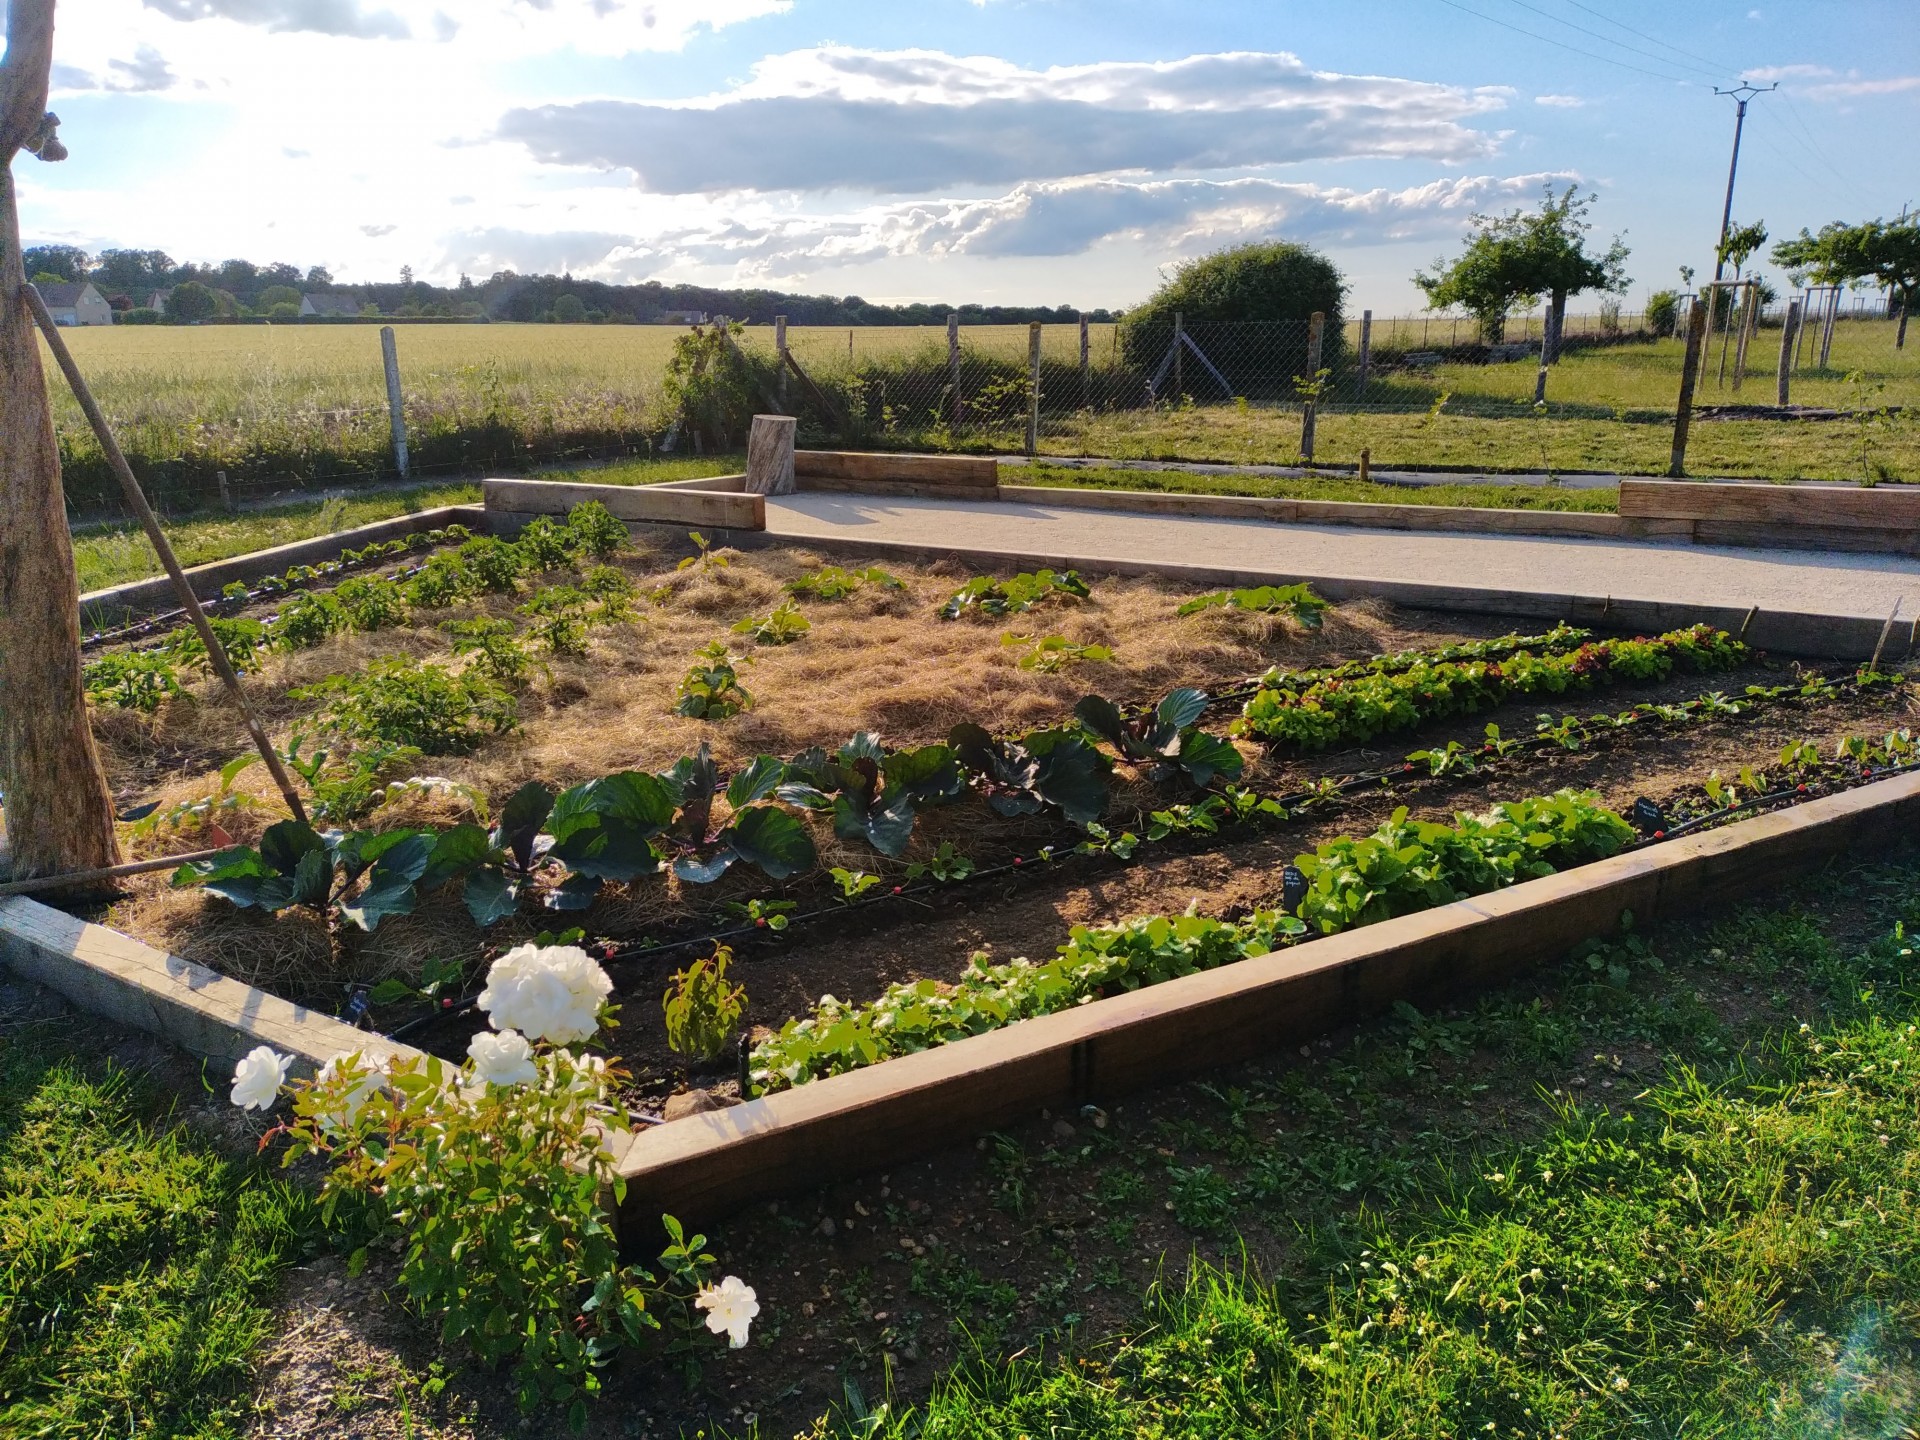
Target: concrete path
{"type": "Point", "coordinates": [1808, 582]}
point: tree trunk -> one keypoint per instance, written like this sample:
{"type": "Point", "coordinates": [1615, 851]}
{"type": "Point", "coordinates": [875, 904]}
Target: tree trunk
{"type": "Point", "coordinates": [1900, 335]}
{"type": "Point", "coordinates": [59, 814]}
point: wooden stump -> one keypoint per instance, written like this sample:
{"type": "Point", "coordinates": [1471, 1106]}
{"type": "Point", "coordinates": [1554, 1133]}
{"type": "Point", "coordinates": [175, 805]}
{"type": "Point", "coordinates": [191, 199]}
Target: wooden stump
{"type": "Point", "coordinates": [770, 455]}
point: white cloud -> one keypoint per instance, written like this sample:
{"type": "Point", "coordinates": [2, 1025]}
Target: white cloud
{"type": "Point", "coordinates": [147, 71]}
{"type": "Point", "coordinates": [1830, 84]}
{"type": "Point", "coordinates": [1039, 220]}
{"type": "Point", "coordinates": [917, 121]}
{"type": "Point", "coordinates": [1560, 102]}
{"type": "Point", "coordinates": [320, 17]}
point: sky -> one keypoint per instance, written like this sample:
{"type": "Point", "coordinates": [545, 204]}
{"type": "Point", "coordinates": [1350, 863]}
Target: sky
{"type": "Point", "coordinates": [1062, 152]}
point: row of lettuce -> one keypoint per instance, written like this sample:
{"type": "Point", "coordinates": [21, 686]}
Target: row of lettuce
{"type": "Point", "coordinates": [633, 824]}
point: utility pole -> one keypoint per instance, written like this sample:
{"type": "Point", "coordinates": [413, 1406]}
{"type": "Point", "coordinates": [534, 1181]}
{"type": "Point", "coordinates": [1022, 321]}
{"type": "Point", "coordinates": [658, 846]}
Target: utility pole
{"type": "Point", "coordinates": [1741, 95]}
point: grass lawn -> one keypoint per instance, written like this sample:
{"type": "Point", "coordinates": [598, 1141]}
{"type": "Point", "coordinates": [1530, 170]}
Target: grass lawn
{"type": "Point", "coordinates": [1669, 1190]}
{"type": "Point", "coordinates": [136, 1260]}
{"type": "Point", "coordinates": [1315, 487]}
{"type": "Point", "coordinates": [111, 555]}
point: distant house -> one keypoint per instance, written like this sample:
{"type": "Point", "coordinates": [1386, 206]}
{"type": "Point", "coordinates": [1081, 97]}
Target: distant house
{"type": "Point", "coordinates": [81, 304]}
{"type": "Point", "coordinates": [333, 305]}
{"type": "Point", "coordinates": [157, 300]}
{"type": "Point", "coordinates": [683, 317]}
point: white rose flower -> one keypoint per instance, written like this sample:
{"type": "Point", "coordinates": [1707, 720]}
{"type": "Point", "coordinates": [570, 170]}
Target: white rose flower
{"type": "Point", "coordinates": [730, 1306]}
{"type": "Point", "coordinates": [503, 1059]}
{"type": "Point", "coordinates": [551, 993]}
{"type": "Point", "coordinates": [366, 1082]}
{"type": "Point", "coordinates": [258, 1077]}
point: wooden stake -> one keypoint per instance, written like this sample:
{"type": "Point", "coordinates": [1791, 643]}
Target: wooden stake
{"type": "Point", "coordinates": [1683, 410]}
{"type": "Point", "coordinates": [396, 406]}
{"type": "Point", "coordinates": [106, 872]}
{"type": "Point", "coordinates": [137, 501]}
{"type": "Point", "coordinates": [1789, 335]}
{"type": "Point", "coordinates": [1316, 337]}
{"type": "Point", "coordinates": [780, 360]}
{"type": "Point", "coordinates": [1086, 369]}
{"type": "Point", "coordinates": [1873, 665]}
{"type": "Point", "coordinates": [1033, 388]}
{"type": "Point", "coordinates": [1366, 356]}
{"type": "Point", "coordinates": [953, 363]}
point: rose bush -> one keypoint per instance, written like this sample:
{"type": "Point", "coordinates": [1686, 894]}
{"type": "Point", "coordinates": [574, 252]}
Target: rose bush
{"type": "Point", "coordinates": [492, 1176]}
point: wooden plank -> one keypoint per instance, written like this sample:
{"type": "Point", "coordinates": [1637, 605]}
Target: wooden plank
{"type": "Point", "coordinates": [632, 503]}
{"type": "Point", "coordinates": [913, 489]}
{"type": "Point", "coordinates": [704, 1165]}
{"type": "Point", "coordinates": [1852, 508]}
{"type": "Point", "coordinates": [143, 596]}
{"type": "Point", "coordinates": [114, 975]}
{"type": "Point", "coordinates": [980, 470]}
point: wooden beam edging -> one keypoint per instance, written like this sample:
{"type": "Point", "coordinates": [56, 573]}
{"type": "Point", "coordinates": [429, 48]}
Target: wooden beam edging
{"type": "Point", "coordinates": [704, 1165]}
{"type": "Point", "coordinates": [1806, 634]}
{"type": "Point", "coordinates": [115, 976]}
{"type": "Point", "coordinates": [144, 596]}
{"type": "Point", "coordinates": [510, 501]}
{"type": "Point", "coordinates": [1886, 508]}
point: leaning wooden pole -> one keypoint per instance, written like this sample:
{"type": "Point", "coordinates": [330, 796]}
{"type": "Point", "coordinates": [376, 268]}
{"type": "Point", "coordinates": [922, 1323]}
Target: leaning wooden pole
{"type": "Point", "coordinates": [137, 502]}
{"type": "Point", "coordinates": [1683, 407]}
{"type": "Point", "coordinates": [59, 813]}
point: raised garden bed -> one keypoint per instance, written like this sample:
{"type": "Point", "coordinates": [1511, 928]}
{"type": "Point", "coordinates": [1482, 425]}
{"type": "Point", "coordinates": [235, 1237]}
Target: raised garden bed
{"type": "Point", "coordinates": [996, 809]}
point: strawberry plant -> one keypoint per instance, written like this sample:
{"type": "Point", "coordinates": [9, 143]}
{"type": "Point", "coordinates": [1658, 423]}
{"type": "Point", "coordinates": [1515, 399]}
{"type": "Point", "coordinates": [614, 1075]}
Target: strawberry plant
{"type": "Point", "coordinates": [544, 545]}
{"type": "Point", "coordinates": [593, 531]}
{"type": "Point", "coordinates": [308, 620]}
{"type": "Point", "coordinates": [830, 582]}
{"type": "Point", "coordinates": [444, 580]}
{"type": "Point", "coordinates": [131, 680]}
{"type": "Point", "coordinates": [984, 595]}
{"type": "Point", "coordinates": [712, 688]}
{"type": "Point", "coordinates": [1050, 654]}
{"type": "Point", "coordinates": [403, 701]}
{"type": "Point", "coordinates": [1296, 602]}
{"type": "Point", "coordinates": [782, 627]}
{"type": "Point", "coordinates": [371, 603]}
{"type": "Point", "coordinates": [496, 564]}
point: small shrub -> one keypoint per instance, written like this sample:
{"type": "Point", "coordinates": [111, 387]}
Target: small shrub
{"type": "Point", "coordinates": [402, 701]}
{"type": "Point", "coordinates": [1296, 602]}
{"type": "Point", "coordinates": [1050, 654]}
{"type": "Point", "coordinates": [496, 565]}
{"type": "Point", "coordinates": [495, 650]}
{"type": "Point", "coordinates": [543, 546]}
{"type": "Point", "coordinates": [702, 1009]}
{"type": "Point", "coordinates": [608, 582]}
{"type": "Point", "coordinates": [712, 688]}
{"type": "Point", "coordinates": [782, 627]}
{"type": "Point", "coordinates": [594, 532]}
{"type": "Point", "coordinates": [372, 602]}
{"type": "Point", "coordinates": [444, 580]}
{"type": "Point", "coordinates": [307, 621]}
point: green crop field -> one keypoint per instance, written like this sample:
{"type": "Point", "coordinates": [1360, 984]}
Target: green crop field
{"type": "Point", "coordinates": [292, 406]}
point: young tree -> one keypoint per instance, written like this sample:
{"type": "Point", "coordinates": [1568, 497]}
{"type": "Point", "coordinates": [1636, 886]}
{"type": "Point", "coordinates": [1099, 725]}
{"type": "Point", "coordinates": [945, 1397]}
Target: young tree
{"type": "Point", "coordinates": [192, 302]}
{"type": "Point", "coordinates": [1885, 251]}
{"type": "Point", "coordinates": [1514, 259]}
{"type": "Point", "coordinates": [59, 814]}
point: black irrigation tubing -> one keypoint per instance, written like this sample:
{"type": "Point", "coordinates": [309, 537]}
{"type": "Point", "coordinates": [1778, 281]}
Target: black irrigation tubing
{"type": "Point", "coordinates": [328, 570]}
{"type": "Point", "coordinates": [615, 953]}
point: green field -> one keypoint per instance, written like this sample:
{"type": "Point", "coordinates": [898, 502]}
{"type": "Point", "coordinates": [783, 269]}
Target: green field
{"type": "Point", "coordinates": [291, 405]}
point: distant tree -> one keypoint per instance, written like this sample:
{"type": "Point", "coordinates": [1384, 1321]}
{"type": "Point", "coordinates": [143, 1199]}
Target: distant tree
{"type": "Point", "coordinates": [568, 310]}
{"type": "Point", "coordinates": [141, 315]}
{"type": "Point", "coordinates": [1516, 258]}
{"type": "Point", "coordinates": [406, 275]}
{"type": "Point", "coordinates": [238, 276]}
{"type": "Point", "coordinates": [281, 274]}
{"type": "Point", "coordinates": [275, 295]}
{"type": "Point", "coordinates": [191, 303]}
{"type": "Point", "coordinates": [283, 311]}
{"type": "Point", "coordinates": [1886, 252]}
{"type": "Point", "coordinates": [1278, 281]}
{"type": "Point", "coordinates": [1663, 311]}
{"type": "Point", "coordinates": [319, 278]}
{"type": "Point", "coordinates": [134, 271]}
{"type": "Point", "coordinates": [67, 263]}
{"type": "Point", "coordinates": [1741, 242]}
{"type": "Point", "coordinates": [49, 277]}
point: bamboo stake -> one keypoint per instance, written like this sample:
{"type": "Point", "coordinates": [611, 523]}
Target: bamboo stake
{"type": "Point", "coordinates": [111, 872]}
{"type": "Point", "coordinates": [137, 499]}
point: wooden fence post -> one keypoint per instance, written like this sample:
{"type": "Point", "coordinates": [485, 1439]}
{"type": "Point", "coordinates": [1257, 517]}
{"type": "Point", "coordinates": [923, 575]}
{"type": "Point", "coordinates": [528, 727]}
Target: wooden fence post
{"type": "Point", "coordinates": [1179, 360]}
{"type": "Point", "coordinates": [1789, 335]}
{"type": "Point", "coordinates": [953, 363]}
{"type": "Point", "coordinates": [226, 491]}
{"type": "Point", "coordinates": [1086, 369]}
{"type": "Point", "coordinates": [1683, 411]}
{"type": "Point", "coordinates": [1316, 336]}
{"type": "Point", "coordinates": [396, 407]}
{"type": "Point", "coordinates": [1033, 387]}
{"type": "Point", "coordinates": [1366, 356]}
{"type": "Point", "coordinates": [780, 360]}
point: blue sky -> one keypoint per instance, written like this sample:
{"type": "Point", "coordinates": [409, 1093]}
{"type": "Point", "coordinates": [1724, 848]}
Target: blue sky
{"type": "Point", "coordinates": [1057, 151]}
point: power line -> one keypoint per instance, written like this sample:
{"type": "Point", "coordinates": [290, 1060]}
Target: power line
{"type": "Point", "coordinates": [1650, 39]}
{"type": "Point", "coordinates": [1716, 73]}
{"type": "Point", "coordinates": [1820, 156]}
{"type": "Point", "coordinates": [1561, 44]}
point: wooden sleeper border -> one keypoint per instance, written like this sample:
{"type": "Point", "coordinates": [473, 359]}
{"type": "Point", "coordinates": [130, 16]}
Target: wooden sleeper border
{"type": "Point", "coordinates": [704, 1165]}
